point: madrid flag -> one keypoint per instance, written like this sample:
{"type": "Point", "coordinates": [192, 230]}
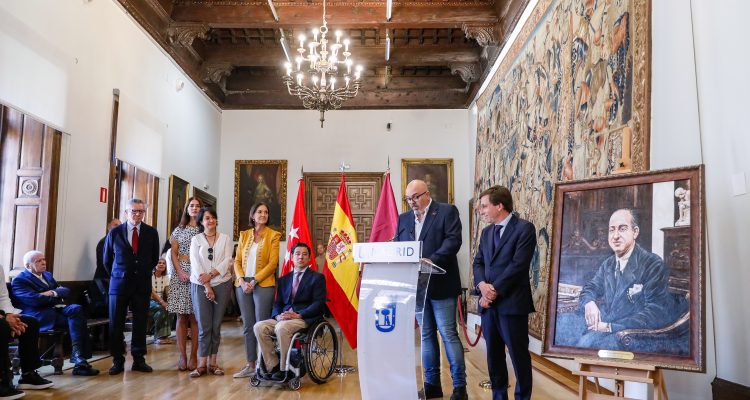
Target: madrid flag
{"type": "Point", "coordinates": [386, 216]}
{"type": "Point", "coordinates": [299, 232]}
{"type": "Point", "coordinates": [342, 273]}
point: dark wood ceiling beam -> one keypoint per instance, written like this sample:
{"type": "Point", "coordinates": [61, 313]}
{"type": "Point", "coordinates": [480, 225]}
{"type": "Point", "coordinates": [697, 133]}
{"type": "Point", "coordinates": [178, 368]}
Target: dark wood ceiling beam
{"type": "Point", "coordinates": [238, 82]}
{"type": "Point", "coordinates": [367, 56]}
{"type": "Point", "coordinates": [440, 98]}
{"type": "Point", "coordinates": [303, 15]}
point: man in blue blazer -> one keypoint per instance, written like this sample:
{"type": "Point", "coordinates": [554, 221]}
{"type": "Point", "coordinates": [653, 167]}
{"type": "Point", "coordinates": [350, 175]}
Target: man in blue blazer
{"type": "Point", "coordinates": [300, 301]}
{"type": "Point", "coordinates": [38, 295]}
{"type": "Point", "coordinates": [130, 253]}
{"type": "Point", "coordinates": [438, 227]}
{"type": "Point", "coordinates": [501, 274]}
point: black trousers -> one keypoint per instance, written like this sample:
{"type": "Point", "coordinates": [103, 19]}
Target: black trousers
{"type": "Point", "coordinates": [118, 311]}
{"type": "Point", "coordinates": [28, 345]}
{"type": "Point", "coordinates": [513, 331]}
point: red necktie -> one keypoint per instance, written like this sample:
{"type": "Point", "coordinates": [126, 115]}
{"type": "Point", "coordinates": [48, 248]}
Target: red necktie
{"type": "Point", "coordinates": [134, 245]}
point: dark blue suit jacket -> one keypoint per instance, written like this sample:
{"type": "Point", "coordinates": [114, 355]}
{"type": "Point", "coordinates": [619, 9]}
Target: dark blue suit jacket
{"type": "Point", "coordinates": [441, 240]}
{"type": "Point", "coordinates": [310, 300]}
{"type": "Point", "coordinates": [129, 272]}
{"type": "Point", "coordinates": [507, 268]}
{"type": "Point", "coordinates": [26, 293]}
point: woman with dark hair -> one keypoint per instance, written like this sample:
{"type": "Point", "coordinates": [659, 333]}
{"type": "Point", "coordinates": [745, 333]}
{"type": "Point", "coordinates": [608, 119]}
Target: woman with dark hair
{"type": "Point", "coordinates": [255, 277]}
{"type": "Point", "coordinates": [158, 306]}
{"type": "Point", "coordinates": [178, 300]}
{"type": "Point", "coordinates": [210, 288]}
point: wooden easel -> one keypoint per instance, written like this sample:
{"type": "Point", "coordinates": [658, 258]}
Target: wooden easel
{"type": "Point", "coordinates": [620, 372]}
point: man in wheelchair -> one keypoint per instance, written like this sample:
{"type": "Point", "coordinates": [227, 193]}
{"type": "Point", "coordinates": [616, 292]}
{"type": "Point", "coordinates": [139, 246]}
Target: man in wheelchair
{"type": "Point", "coordinates": [300, 301]}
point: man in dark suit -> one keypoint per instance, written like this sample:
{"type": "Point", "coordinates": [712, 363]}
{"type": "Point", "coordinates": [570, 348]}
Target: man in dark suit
{"type": "Point", "coordinates": [300, 301]}
{"type": "Point", "coordinates": [629, 290]}
{"type": "Point", "coordinates": [130, 253]}
{"type": "Point", "coordinates": [501, 274]}
{"type": "Point", "coordinates": [438, 227]}
{"type": "Point", "coordinates": [41, 297]}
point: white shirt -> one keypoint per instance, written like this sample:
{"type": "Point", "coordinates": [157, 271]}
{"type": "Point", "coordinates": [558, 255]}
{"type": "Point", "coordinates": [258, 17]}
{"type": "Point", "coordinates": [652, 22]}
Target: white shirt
{"type": "Point", "coordinates": [5, 303]}
{"type": "Point", "coordinates": [250, 260]}
{"type": "Point", "coordinates": [419, 224]}
{"type": "Point", "coordinates": [222, 258]}
{"type": "Point", "coordinates": [623, 261]}
{"type": "Point", "coordinates": [504, 223]}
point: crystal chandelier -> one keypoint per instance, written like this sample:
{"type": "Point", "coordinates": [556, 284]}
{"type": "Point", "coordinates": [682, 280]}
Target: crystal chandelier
{"type": "Point", "coordinates": [319, 78]}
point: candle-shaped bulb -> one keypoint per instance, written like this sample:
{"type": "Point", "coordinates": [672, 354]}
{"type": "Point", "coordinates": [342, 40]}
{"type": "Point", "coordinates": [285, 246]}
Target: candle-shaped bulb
{"type": "Point", "coordinates": [299, 63]}
{"type": "Point", "coordinates": [288, 66]}
{"type": "Point", "coordinates": [302, 40]}
{"type": "Point", "coordinates": [315, 80]}
{"type": "Point", "coordinates": [346, 44]}
{"type": "Point", "coordinates": [315, 34]}
{"type": "Point", "coordinates": [299, 79]}
{"type": "Point", "coordinates": [333, 83]}
{"type": "Point", "coordinates": [338, 36]}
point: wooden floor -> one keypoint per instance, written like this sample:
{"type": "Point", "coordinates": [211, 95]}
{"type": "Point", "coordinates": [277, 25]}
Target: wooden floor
{"type": "Point", "coordinates": [167, 383]}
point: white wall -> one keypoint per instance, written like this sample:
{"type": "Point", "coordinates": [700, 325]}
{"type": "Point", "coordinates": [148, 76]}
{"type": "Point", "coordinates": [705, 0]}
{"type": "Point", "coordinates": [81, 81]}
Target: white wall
{"type": "Point", "coordinates": [60, 61]}
{"type": "Point", "coordinates": [357, 137]}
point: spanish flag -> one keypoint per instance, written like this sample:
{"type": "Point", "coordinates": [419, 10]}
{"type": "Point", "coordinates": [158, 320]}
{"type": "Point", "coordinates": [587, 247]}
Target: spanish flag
{"type": "Point", "coordinates": [341, 272]}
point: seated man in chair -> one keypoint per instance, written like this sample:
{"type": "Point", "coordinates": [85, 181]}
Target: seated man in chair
{"type": "Point", "coordinates": [300, 300]}
{"type": "Point", "coordinates": [39, 296]}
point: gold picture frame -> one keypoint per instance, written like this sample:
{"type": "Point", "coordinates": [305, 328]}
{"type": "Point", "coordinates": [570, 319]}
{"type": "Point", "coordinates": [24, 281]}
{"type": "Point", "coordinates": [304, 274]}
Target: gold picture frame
{"type": "Point", "coordinates": [437, 174]}
{"type": "Point", "coordinates": [260, 180]}
{"type": "Point", "coordinates": [179, 191]}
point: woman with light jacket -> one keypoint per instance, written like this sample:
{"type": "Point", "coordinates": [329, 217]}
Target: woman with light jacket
{"type": "Point", "coordinates": [255, 267]}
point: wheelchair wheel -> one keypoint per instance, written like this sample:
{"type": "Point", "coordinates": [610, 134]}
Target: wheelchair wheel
{"type": "Point", "coordinates": [254, 381]}
{"type": "Point", "coordinates": [321, 352]}
{"type": "Point", "coordinates": [294, 384]}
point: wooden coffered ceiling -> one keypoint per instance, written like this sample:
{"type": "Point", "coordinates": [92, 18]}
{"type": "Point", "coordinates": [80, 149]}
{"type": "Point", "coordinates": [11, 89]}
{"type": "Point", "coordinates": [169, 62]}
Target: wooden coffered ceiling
{"type": "Point", "coordinates": [441, 50]}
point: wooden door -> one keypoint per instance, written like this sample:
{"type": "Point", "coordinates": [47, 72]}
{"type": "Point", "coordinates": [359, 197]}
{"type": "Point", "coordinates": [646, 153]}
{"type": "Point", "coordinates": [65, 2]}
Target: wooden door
{"type": "Point", "coordinates": [29, 170]}
{"type": "Point", "coordinates": [321, 190]}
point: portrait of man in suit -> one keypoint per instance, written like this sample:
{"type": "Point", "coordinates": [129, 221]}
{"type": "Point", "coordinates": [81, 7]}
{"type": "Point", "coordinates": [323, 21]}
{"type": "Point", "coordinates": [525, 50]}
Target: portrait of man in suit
{"type": "Point", "coordinates": [501, 274]}
{"type": "Point", "coordinates": [629, 290]}
{"type": "Point", "coordinates": [130, 253]}
{"type": "Point", "coordinates": [438, 227]}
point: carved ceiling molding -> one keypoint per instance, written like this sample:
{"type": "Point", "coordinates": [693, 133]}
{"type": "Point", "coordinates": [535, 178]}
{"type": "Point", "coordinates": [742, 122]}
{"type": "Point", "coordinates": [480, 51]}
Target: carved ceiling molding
{"type": "Point", "coordinates": [216, 72]}
{"type": "Point", "coordinates": [229, 3]}
{"type": "Point", "coordinates": [469, 72]}
{"type": "Point", "coordinates": [485, 35]}
{"type": "Point", "coordinates": [184, 33]}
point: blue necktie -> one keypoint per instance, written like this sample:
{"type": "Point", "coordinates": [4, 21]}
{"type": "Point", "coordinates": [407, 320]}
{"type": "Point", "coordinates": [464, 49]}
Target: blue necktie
{"type": "Point", "coordinates": [496, 237]}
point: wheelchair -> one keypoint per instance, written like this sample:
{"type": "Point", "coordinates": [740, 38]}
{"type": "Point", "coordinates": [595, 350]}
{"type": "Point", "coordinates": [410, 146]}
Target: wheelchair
{"type": "Point", "coordinates": [313, 350]}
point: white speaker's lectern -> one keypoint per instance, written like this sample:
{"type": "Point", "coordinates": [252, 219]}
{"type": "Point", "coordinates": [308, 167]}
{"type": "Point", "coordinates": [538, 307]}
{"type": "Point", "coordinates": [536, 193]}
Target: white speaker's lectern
{"type": "Point", "coordinates": [391, 293]}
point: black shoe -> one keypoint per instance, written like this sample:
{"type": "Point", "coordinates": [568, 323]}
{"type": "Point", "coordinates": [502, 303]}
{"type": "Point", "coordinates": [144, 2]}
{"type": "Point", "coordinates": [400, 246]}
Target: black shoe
{"type": "Point", "coordinates": [85, 370]}
{"type": "Point", "coordinates": [279, 376]}
{"type": "Point", "coordinates": [268, 375]}
{"type": "Point", "coordinates": [33, 381]}
{"type": "Point", "coordinates": [117, 368]}
{"type": "Point", "coordinates": [459, 393]}
{"type": "Point", "coordinates": [430, 391]}
{"type": "Point", "coordinates": [10, 393]}
{"type": "Point", "coordinates": [141, 366]}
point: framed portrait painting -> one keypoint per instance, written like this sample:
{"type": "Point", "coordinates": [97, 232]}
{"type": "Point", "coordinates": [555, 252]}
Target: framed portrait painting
{"type": "Point", "coordinates": [206, 198]}
{"type": "Point", "coordinates": [260, 181]}
{"type": "Point", "coordinates": [178, 195]}
{"type": "Point", "coordinates": [627, 269]}
{"type": "Point", "coordinates": [437, 173]}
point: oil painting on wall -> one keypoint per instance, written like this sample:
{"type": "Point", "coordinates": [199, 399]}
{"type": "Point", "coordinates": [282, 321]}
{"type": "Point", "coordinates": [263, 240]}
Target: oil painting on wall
{"type": "Point", "coordinates": [260, 181]}
{"type": "Point", "coordinates": [570, 100]}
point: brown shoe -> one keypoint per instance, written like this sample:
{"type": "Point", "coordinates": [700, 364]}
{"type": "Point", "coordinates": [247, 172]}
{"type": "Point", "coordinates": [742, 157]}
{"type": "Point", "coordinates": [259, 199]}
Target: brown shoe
{"type": "Point", "coordinates": [198, 372]}
{"type": "Point", "coordinates": [215, 370]}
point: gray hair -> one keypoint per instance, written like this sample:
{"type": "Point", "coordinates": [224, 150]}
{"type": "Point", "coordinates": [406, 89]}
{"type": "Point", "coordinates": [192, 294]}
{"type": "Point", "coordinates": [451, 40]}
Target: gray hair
{"type": "Point", "coordinates": [133, 202]}
{"type": "Point", "coordinates": [29, 257]}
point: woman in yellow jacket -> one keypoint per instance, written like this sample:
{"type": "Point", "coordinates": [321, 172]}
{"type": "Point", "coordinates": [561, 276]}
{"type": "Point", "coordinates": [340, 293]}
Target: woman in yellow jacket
{"type": "Point", "coordinates": [255, 278]}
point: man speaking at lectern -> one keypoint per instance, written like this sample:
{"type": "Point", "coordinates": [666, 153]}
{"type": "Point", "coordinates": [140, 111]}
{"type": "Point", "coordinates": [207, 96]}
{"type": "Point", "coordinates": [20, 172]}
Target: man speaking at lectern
{"type": "Point", "coordinates": [438, 227]}
{"type": "Point", "coordinates": [501, 273]}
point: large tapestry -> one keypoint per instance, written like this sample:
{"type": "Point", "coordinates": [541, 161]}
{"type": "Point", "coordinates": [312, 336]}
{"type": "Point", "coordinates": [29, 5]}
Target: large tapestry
{"type": "Point", "coordinates": [569, 101]}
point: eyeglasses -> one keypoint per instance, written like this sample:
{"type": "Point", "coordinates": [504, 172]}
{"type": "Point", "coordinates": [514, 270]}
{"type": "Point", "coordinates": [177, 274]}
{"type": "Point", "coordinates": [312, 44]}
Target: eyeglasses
{"type": "Point", "coordinates": [210, 254]}
{"type": "Point", "coordinates": [137, 211]}
{"type": "Point", "coordinates": [414, 198]}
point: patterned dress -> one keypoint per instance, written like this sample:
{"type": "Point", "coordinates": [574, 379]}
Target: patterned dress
{"type": "Point", "coordinates": [179, 292]}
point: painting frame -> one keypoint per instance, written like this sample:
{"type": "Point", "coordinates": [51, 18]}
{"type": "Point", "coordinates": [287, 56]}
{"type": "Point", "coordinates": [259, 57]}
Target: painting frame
{"type": "Point", "coordinates": [274, 192]}
{"type": "Point", "coordinates": [207, 199]}
{"type": "Point", "coordinates": [419, 168]}
{"type": "Point", "coordinates": [179, 192]}
{"type": "Point", "coordinates": [677, 341]}
{"type": "Point", "coordinates": [588, 116]}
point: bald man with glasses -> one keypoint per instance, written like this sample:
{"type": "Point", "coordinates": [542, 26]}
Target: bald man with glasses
{"type": "Point", "coordinates": [438, 227]}
{"type": "Point", "coordinates": [130, 253]}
